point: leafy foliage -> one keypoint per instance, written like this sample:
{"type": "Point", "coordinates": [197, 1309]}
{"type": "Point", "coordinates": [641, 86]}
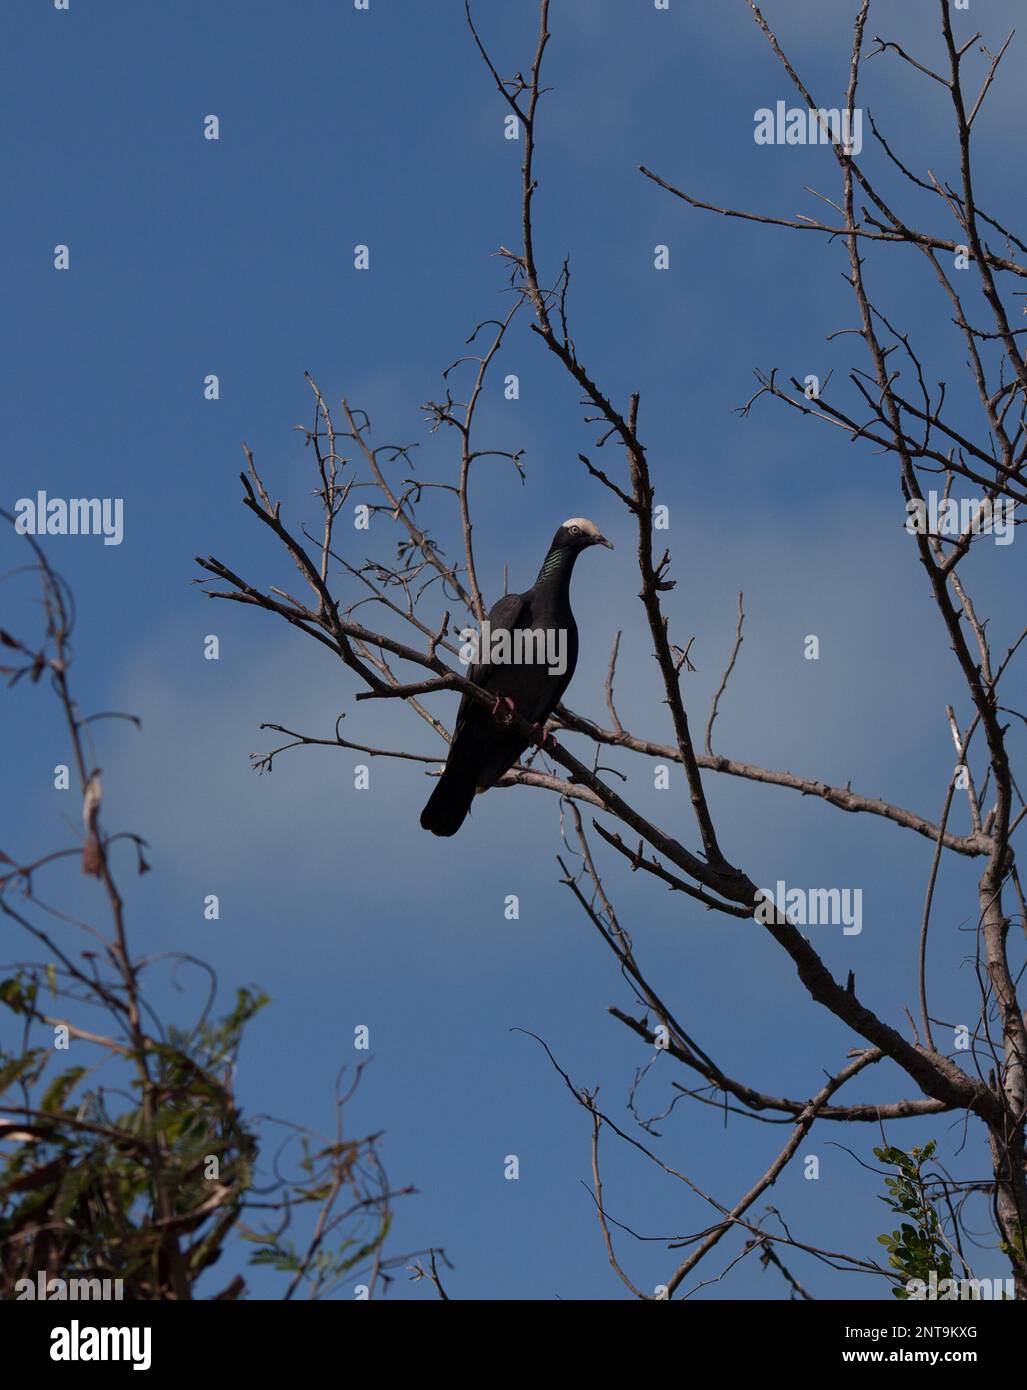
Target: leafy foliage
{"type": "Point", "coordinates": [919, 1245]}
{"type": "Point", "coordinates": [147, 1176]}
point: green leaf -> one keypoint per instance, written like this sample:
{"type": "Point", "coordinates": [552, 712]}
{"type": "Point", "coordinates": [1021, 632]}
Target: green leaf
{"type": "Point", "coordinates": [60, 1088]}
{"type": "Point", "coordinates": [13, 1071]}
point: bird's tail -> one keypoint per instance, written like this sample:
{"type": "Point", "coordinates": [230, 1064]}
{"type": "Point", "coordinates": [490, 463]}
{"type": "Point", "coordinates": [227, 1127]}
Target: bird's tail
{"type": "Point", "coordinates": [451, 800]}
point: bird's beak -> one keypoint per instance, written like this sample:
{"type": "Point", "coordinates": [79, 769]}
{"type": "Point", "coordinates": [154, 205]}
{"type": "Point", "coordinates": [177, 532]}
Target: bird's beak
{"type": "Point", "coordinates": [601, 540]}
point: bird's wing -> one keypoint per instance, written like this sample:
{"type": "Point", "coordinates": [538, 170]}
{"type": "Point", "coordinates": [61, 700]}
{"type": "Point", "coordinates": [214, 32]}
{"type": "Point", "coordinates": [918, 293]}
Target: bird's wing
{"type": "Point", "coordinates": [505, 614]}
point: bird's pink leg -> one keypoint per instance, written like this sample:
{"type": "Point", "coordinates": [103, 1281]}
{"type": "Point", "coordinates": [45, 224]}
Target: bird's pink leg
{"type": "Point", "coordinates": [543, 738]}
{"type": "Point", "coordinates": [506, 715]}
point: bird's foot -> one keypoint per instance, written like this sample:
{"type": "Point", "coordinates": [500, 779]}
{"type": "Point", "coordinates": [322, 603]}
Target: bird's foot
{"type": "Point", "coordinates": [543, 738]}
{"type": "Point", "coordinates": [504, 710]}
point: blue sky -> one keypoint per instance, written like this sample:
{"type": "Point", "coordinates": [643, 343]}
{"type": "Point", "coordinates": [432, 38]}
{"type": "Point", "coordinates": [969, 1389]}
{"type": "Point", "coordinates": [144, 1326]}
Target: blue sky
{"type": "Point", "coordinates": [191, 257]}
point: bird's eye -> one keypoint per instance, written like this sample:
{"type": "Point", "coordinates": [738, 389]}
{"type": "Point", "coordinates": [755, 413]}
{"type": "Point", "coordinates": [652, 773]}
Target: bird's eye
{"type": "Point", "coordinates": [575, 530]}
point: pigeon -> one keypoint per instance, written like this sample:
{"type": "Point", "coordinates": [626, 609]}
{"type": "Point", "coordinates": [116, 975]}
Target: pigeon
{"type": "Point", "coordinates": [528, 649]}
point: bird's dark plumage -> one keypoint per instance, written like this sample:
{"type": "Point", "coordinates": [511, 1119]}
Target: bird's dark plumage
{"type": "Point", "coordinates": [482, 748]}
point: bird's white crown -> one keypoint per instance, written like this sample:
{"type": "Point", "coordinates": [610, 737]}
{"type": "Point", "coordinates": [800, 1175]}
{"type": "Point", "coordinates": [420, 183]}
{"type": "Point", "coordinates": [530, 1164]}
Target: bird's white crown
{"type": "Point", "coordinates": [583, 524]}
